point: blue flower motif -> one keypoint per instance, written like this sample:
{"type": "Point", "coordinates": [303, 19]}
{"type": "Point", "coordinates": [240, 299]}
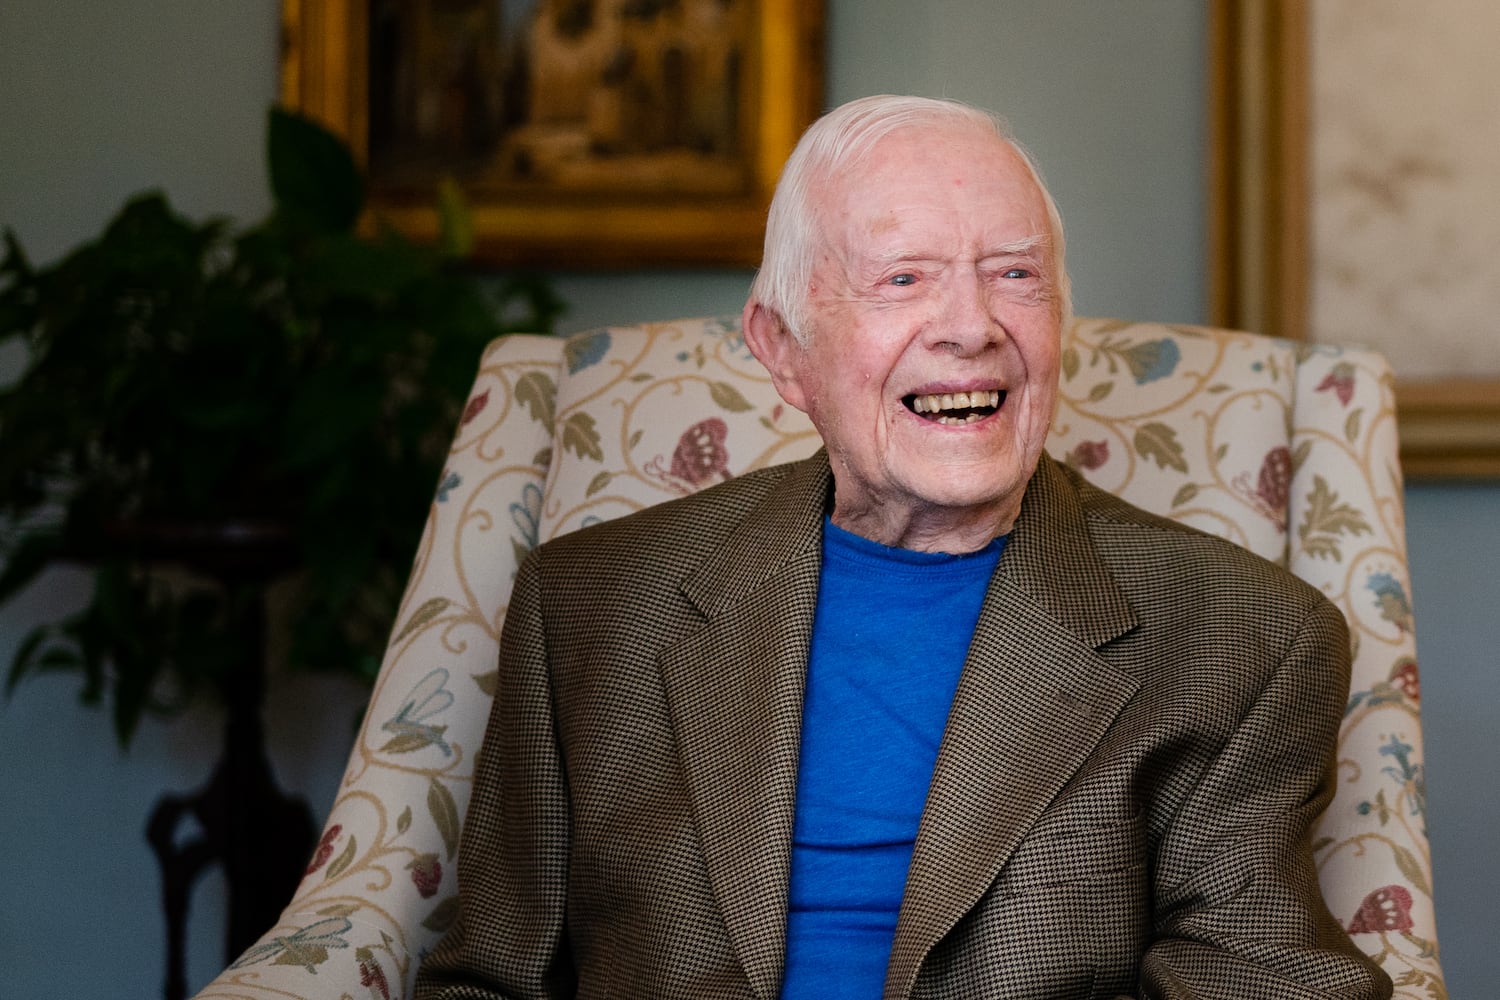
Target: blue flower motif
{"type": "Point", "coordinates": [586, 349]}
{"type": "Point", "coordinates": [728, 327]}
{"type": "Point", "coordinates": [1406, 773]}
{"type": "Point", "coordinates": [409, 726]}
{"type": "Point", "coordinates": [526, 515]}
{"type": "Point", "coordinates": [1391, 599]}
{"type": "Point", "coordinates": [451, 481]}
{"type": "Point", "coordinates": [1152, 359]}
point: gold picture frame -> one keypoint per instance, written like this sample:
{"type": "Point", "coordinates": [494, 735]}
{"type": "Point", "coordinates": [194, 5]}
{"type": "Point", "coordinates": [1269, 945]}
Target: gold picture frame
{"type": "Point", "coordinates": [562, 170]}
{"type": "Point", "coordinates": [1260, 56]}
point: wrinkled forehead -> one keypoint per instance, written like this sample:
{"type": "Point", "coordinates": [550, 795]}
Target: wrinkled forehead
{"type": "Point", "coordinates": [967, 182]}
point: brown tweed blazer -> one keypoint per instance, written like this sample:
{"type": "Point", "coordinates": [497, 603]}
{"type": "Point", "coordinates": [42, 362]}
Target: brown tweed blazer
{"type": "Point", "coordinates": [1141, 736]}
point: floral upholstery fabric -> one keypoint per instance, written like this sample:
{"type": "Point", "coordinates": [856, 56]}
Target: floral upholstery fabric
{"type": "Point", "coordinates": [1286, 449]}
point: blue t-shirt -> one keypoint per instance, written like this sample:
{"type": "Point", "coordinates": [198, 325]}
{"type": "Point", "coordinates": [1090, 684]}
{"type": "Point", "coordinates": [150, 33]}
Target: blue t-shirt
{"type": "Point", "coordinates": [890, 635]}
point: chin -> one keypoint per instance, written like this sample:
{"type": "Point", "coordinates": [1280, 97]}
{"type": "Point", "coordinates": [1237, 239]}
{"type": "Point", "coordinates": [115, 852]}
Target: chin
{"type": "Point", "coordinates": [991, 489]}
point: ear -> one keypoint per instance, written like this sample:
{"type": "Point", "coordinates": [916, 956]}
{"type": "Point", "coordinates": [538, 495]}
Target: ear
{"type": "Point", "coordinates": [773, 345]}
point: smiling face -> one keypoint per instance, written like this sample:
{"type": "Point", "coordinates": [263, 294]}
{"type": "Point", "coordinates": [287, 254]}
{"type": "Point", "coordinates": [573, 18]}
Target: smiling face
{"type": "Point", "coordinates": [930, 362]}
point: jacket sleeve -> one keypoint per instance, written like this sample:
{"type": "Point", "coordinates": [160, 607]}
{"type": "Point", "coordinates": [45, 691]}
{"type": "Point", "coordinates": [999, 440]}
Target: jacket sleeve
{"type": "Point", "coordinates": [509, 941]}
{"type": "Point", "coordinates": [1238, 909]}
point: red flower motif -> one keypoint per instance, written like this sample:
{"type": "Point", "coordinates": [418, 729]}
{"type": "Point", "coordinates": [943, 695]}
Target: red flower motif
{"type": "Point", "coordinates": [1274, 485]}
{"type": "Point", "coordinates": [1341, 381]}
{"type": "Point", "coordinates": [1088, 455]}
{"type": "Point", "coordinates": [1406, 678]}
{"type": "Point", "coordinates": [1384, 910]}
{"type": "Point", "coordinates": [325, 848]}
{"type": "Point", "coordinates": [426, 874]}
{"type": "Point", "coordinates": [372, 977]}
{"type": "Point", "coordinates": [475, 407]}
{"type": "Point", "coordinates": [700, 453]}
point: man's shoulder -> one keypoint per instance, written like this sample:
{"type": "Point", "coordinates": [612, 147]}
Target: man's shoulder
{"type": "Point", "coordinates": [1146, 544]}
{"type": "Point", "coordinates": [685, 527]}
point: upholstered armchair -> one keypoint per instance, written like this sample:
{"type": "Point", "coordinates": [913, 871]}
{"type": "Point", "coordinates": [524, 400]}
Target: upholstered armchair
{"type": "Point", "coordinates": [1286, 449]}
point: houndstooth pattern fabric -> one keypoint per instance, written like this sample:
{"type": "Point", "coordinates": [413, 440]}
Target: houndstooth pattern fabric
{"type": "Point", "coordinates": [1172, 728]}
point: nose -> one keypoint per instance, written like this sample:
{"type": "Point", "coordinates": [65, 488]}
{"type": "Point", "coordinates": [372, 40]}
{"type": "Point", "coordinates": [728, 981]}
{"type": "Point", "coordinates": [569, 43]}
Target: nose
{"type": "Point", "coordinates": [966, 326]}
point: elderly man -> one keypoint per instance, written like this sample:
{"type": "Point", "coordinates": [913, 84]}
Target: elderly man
{"type": "Point", "coordinates": [922, 716]}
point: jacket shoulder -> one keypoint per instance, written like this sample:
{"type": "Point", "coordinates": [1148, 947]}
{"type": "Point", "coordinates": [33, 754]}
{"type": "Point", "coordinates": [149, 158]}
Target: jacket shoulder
{"type": "Point", "coordinates": [682, 529]}
{"type": "Point", "coordinates": [1145, 545]}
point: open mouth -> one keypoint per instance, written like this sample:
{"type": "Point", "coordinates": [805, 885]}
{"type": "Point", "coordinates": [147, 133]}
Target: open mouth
{"type": "Point", "coordinates": [954, 408]}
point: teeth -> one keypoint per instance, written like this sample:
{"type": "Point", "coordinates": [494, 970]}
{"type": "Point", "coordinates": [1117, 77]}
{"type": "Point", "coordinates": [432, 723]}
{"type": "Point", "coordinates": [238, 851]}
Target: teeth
{"type": "Point", "coordinates": [939, 402]}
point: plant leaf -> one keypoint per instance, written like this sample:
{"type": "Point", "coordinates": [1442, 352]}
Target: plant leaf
{"type": "Point", "coordinates": [343, 861]}
{"type": "Point", "coordinates": [598, 483]}
{"type": "Point", "coordinates": [314, 178]}
{"type": "Point", "coordinates": [455, 221]}
{"type": "Point", "coordinates": [412, 742]}
{"type": "Point", "coordinates": [26, 559]}
{"type": "Point", "coordinates": [30, 656]}
{"type": "Point", "coordinates": [1326, 516]}
{"type": "Point", "coordinates": [1159, 441]}
{"type": "Point", "coordinates": [580, 436]}
{"type": "Point", "coordinates": [1351, 424]}
{"type": "Point", "coordinates": [1323, 547]}
{"type": "Point", "coordinates": [1188, 492]}
{"type": "Point", "coordinates": [444, 814]}
{"type": "Point", "coordinates": [301, 953]}
{"type": "Point", "coordinates": [728, 397]}
{"type": "Point", "coordinates": [430, 609]}
{"type": "Point", "coordinates": [1407, 862]}
{"type": "Point", "coordinates": [1069, 363]}
{"type": "Point", "coordinates": [538, 393]}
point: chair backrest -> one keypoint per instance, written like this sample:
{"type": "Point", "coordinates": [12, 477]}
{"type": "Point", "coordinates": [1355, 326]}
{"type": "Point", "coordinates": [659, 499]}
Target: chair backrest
{"type": "Point", "coordinates": [1286, 449]}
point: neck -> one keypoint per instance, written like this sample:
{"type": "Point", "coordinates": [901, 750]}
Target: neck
{"type": "Point", "coordinates": [929, 529]}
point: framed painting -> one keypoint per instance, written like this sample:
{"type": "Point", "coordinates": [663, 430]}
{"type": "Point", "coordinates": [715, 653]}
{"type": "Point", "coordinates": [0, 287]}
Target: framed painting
{"type": "Point", "coordinates": [583, 133]}
{"type": "Point", "coordinates": [1353, 153]}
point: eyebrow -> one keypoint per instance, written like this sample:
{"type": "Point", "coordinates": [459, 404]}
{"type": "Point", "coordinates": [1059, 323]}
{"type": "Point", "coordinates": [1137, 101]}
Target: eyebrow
{"type": "Point", "coordinates": [1019, 247]}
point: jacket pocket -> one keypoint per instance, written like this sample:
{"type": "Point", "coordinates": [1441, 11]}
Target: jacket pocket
{"type": "Point", "coordinates": [1073, 851]}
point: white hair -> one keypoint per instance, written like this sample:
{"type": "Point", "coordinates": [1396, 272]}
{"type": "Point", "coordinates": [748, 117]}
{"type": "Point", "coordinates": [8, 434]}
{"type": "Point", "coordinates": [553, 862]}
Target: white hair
{"type": "Point", "coordinates": [838, 141]}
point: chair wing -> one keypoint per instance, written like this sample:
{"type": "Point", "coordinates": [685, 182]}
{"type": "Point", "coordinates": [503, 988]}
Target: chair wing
{"type": "Point", "coordinates": [1289, 451]}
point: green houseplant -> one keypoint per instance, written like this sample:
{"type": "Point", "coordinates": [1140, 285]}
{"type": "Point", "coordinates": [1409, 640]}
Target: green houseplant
{"type": "Point", "coordinates": [280, 395]}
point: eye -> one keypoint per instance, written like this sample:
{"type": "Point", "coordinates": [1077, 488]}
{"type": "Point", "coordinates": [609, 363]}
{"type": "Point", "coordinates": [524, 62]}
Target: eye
{"type": "Point", "coordinates": [1015, 272]}
{"type": "Point", "coordinates": [903, 280]}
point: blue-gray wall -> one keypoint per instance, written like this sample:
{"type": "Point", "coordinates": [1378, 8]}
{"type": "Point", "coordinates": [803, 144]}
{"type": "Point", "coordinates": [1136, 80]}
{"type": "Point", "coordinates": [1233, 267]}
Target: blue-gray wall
{"type": "Point", "coordinates": [100, 100]}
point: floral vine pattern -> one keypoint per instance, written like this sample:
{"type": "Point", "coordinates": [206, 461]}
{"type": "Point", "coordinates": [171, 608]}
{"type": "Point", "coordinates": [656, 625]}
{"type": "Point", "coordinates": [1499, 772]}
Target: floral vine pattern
{"type": "Point", "coordinates": [1287, 450]}
{"type": "Point", "coordinates": [663, 411]}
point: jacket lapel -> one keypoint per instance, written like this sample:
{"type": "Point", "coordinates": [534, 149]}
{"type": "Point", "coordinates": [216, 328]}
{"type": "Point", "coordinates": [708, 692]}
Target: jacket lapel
{"type": "Point", "coordinates": [1033, 701]}
{"type": "Point", "coordinates": [735, 689]}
